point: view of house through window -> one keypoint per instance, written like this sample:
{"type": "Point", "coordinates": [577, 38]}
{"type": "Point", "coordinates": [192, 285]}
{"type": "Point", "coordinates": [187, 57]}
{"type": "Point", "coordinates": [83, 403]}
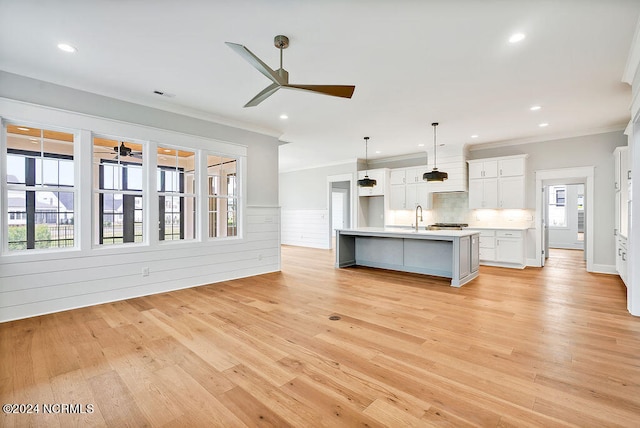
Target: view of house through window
{"type": "Point", "coordinates": [557, 206]}
{"type": "Point", "coordinates": [223, 196]}
{"type": "Point", "coordinates": [40, 188]}
{"type": "Point", "coordinates": [41, 193]}
{"type": "Point", "coordinates": [117, 178]}
{"type": "Point", "coordinates": [176, 194]}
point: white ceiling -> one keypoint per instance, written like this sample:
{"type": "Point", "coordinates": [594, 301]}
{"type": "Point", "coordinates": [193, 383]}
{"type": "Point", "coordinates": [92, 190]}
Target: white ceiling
{"type": "Point", "coordinates": [413, 62]}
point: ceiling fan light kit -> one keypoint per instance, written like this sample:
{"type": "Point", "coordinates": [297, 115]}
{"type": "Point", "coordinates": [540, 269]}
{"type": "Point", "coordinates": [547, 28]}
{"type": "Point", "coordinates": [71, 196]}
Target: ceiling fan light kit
{"type": "Point", "coordinates": [435, 175]}
{"type": "Point", "coordinates": [366, 181]}
{"type": "Point", "coordinates": [280, 77]}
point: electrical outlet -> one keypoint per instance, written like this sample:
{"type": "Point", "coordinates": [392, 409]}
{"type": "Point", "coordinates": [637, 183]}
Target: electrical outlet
{"type": "Point", "coordinates": [145, 271]}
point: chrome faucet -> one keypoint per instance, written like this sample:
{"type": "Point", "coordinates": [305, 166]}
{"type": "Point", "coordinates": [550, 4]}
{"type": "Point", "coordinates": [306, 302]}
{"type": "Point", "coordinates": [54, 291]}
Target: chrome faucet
{"type": "Point", "coordinates": [417, 215]}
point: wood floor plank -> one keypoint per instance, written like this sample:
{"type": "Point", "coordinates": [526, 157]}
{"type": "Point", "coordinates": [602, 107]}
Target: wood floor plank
{"type": "Point", "coordinates": [552, 346]}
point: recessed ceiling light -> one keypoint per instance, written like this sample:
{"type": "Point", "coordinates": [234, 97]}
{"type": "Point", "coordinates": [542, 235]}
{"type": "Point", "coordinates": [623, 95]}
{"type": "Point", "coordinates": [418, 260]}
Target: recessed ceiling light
{"type": "Point", "coordinates": [22, 128]}
{"type": "Point", "coordinates": [284, 116]}
{"type": "Point", "coordinates": [421, 145]}
{"type": "Point", "coordinates": [67, 48]}
{"type": "Point", "coordinates": [378, 152]}
{"type": "Point", "coordinates": [474, 136]}
{"type": "Point", "coordinates": [535, 108]}
{"type": "Point", "coordinates": [543, 124]}
{"type": "Point", "coordinates": [517, 37]}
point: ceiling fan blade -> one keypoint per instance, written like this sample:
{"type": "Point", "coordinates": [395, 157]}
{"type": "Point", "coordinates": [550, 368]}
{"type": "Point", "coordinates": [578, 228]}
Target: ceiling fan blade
{"type": "Point", "coordinates": [263, 95]}
{"type": "Point", "coordinates": [344, 91]}
{"type": "Point", "coordinates": [256, 62]}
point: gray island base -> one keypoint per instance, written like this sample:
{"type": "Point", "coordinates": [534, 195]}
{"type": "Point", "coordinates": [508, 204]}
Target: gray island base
{"type": "Point", "coordinates": [449, 253]}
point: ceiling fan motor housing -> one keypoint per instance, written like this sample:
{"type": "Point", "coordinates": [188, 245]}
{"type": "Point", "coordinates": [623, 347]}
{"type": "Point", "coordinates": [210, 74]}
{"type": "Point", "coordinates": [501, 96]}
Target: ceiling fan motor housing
{"type": "Point", "coordinates": [281, 42]}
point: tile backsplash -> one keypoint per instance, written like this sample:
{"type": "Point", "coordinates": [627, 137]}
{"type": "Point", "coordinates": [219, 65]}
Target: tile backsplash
{"type": "Point", "coordinates": [451, 208]}
{"type": "Point", "coordinates": [454, 208]}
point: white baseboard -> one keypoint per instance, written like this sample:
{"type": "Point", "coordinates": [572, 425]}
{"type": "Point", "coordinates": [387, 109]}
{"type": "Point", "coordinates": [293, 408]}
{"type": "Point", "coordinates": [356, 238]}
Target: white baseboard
{"type": "Point", "coordinates": [533, 263]}
{"type": "Point", "coordinates": [610, 269]}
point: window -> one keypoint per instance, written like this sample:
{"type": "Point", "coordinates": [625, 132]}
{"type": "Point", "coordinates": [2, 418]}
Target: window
{"type": "Point", "coordinates": [197, 193]}
{"type": "Point", "coordinates": [118, 203]}
{"type": "Point", "coordinates": [176, 194]}
{"type": "Point", "coordinates": [557, 206]}
{"type": "Point", "coordinates": [223, 196]}
{"type": "Point", "coordinates": [40, 188]}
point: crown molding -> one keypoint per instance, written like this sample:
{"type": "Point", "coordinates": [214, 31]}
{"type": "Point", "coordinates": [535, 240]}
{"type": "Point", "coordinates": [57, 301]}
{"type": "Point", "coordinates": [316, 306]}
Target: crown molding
{"type": "Point", "coordinates": [409, 156]}
{"type": "Point", "coordinates": [353, 162]}
{"type": "Point", "coordinates": [544, 138]}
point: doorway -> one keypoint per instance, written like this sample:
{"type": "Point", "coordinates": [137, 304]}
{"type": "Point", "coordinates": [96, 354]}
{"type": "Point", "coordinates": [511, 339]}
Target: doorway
{"type": "Point", "coordinates": [564, 217]}
{"type": "Point", "coordinates": [564, 214]}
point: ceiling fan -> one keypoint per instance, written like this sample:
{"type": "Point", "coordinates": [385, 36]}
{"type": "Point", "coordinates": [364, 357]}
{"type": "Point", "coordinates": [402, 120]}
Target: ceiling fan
{"type": "Point", "coordinates": [125, 151]}
{"type": "Point", "coordinates": [280, 77]}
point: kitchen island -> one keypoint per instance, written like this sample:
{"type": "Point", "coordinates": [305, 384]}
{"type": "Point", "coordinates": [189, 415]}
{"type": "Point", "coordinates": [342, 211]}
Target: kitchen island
{"type": "Point", "coordinates": [449, 253]}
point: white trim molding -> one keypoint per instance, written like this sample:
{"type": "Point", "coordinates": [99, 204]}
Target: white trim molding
{"type": "Point", "coordinates": [584, 174]}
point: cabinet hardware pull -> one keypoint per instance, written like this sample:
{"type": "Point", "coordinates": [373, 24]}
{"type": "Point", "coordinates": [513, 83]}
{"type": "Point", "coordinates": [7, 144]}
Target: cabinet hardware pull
{"type": "Point", "coordinates": [624, 259]}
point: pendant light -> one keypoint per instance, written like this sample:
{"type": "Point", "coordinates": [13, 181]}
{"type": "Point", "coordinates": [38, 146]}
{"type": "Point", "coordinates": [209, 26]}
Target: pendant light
{"type": "Point", "coordinates": [435, 175]}
{"type": "Point", "coordinates": [366, 181]}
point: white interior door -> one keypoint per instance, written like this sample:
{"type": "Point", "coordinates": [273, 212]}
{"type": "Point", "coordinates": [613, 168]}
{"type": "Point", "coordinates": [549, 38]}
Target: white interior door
{"type": "Point", "coordinates": [545, 228]}
{"type": "Point", "coordinates": [338, 202]}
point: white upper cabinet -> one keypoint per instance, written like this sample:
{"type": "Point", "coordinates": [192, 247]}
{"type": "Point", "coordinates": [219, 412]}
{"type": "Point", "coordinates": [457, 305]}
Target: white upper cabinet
{"type": "Point", "coordinates": [397, 177]}
{"type": "Point", "coordinates": [511, 167]}
{"type": "Point", "coordinates": [414, 175]}
{"type": "Point", "coordinates": [418, 194]}
{"type": "Point", "coordinates": [408, 189]}
{"type": "Point", "coordinates": [483, 193]}
{"type": "Point", "coordinates": [621, 185]}
{"type": "Point", "coordinates": [483, 169]}
{"type": "Point", "coordinates": [511, 192]}
{"type": "Point", "coordinates": [497, 182]}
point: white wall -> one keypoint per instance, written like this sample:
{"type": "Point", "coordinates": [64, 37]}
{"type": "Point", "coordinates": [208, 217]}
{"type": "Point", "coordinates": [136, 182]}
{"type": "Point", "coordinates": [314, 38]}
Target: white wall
{"type": "Point", "coordinates": [42, 282]}
{"type": "Point", "coordinates": [305, 205]}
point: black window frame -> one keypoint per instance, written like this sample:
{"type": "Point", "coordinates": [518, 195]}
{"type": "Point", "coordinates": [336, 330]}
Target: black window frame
{"type": "Point", "coordinates": [128, 204]}
{"type": "Point", "coordinates": [30, 213]}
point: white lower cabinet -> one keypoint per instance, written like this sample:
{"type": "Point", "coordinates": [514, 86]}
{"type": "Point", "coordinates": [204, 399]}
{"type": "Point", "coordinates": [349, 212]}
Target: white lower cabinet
{"type": "Point", "coordinates": [487, 245]}
{"type": "Point", "coordinates": [621, 258]}
{"type": "Point", "coordinates": [509, 249]}
{"type": "Point", "coordinates": [501, 247]}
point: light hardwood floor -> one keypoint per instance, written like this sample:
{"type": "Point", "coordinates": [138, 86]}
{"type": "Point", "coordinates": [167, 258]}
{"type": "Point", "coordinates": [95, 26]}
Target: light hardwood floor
{"type": "Point", "coordinates": [534, 347]}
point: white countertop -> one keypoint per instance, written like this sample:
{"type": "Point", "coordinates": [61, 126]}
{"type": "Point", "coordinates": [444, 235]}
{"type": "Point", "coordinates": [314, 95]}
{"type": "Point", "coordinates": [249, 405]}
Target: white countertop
{"type": "Point", "coordinates": [498, 227]}
{"type": "Point", "coordinates": [407, 233]}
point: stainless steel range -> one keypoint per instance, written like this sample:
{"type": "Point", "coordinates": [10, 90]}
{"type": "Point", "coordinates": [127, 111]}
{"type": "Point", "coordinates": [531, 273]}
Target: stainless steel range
{"type": "Point", "coordinates": [447, 226]}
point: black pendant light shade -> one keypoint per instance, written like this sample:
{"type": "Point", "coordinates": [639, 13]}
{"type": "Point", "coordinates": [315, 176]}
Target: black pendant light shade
{"type": "Point", "coordinates": [435, 175]}
{"type": "Point", "coordinates": [366, 181]}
